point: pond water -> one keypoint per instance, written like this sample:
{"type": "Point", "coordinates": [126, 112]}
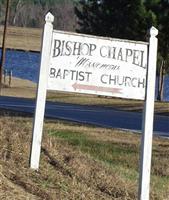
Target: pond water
{"type": "Point", "coordinates": [25, 65]}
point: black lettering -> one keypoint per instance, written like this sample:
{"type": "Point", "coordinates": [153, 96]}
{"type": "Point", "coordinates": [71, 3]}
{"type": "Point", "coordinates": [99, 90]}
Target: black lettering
{"type": "Point", "coordinates": [88, 75]}
{"type": "Point", "coordinates": [129, 53]}
{"type": "Point", "coordinates": [76, 49]}
{"type": "Point", "coordinates": [132, 82]}
{"type": "Point", "coordinates": [73, 74]}
{"type": "Point", "coordinates": [65, 73]}
{"type": "Point", "coordinates": [62, 48]}
{"type": "Point", "coordinates": [85, 49]}
{"type": "Point", "coordinates": [127, 81]}
{"type": "Point", "coordinates": [141, 83]}
{"type": "Point", "coordinates": [122, 80]}
{"type": "Point", "coordinates": [56, 49]}
{"type": "Point", "coordinates": [101, 53]}
{"type": "Point", "coordinates": [82, 61]}
{"type": "Point", "coordinates": [120, 55]}
{"type": "Point", "coordinates": [112, 52]}
{"type": "Point", "coordinates": [102, 78]}
{"type": "Point", "coordinates": [81, 76]}
{"type": "Point", "coordinates": [68, 48]}
{"type": "Point", "coordinates": [92, 48]}
{"type": "Point", "coordinates": [114, 80]}
{"type": "Point", "coordinates": [52, 72]}
{"type": "Point", "coordinates": [58, 74]}
{"type": "Point", "coordinates": [141, 64]}
{"type": "Point", "coordinates": [136, 57]}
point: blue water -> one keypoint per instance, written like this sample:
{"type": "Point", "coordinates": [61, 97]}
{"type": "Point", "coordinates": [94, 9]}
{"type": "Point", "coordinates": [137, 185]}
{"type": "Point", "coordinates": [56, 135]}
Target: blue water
{"type": "Point", "coordinates": [25, 65]}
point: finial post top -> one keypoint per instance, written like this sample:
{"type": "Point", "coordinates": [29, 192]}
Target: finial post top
{"type": "Point", "coordinates": [153, 31]}
{"type": "Point", "coordinates": [49, 18]}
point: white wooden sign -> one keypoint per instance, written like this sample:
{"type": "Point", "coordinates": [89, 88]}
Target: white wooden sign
{"type": "Point", "coordinates": [93, 65]}
{"type": "Point", "coordinates": [103, 66]}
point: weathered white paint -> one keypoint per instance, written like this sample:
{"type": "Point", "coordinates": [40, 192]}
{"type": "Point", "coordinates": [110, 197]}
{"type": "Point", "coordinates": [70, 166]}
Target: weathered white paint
{"type": "Point", "coordinates": [96, 65]}
{"type": "Point", "coordinates": [41, 92]}
{"type": "Point", "coordinates": [148, 116]}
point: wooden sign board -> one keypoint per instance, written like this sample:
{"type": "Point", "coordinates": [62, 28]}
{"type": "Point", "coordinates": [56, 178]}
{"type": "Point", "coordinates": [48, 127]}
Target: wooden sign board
{"type": "Point", "coordinates": [94, 65]}
{"type": "Point", "coordinates": [112, 67]}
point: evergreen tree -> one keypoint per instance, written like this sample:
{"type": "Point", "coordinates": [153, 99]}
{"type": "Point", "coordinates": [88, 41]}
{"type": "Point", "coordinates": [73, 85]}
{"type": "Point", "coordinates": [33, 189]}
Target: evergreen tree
{"type": "Point", "coordinates": [160, 11]}
{"type": "Point", "coordinates": [160, 8]}
{"type": "Point", "coordinates": [126, 19]}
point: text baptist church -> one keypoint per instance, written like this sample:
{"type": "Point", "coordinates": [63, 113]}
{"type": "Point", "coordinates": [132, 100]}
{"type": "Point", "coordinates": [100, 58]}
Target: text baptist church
{"type": "Point", "coordinates": [74, 48]}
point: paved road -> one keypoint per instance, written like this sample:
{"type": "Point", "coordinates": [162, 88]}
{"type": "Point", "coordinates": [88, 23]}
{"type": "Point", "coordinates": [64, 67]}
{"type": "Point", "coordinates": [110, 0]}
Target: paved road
{"type": "Point", "coordinates": [105, 117]}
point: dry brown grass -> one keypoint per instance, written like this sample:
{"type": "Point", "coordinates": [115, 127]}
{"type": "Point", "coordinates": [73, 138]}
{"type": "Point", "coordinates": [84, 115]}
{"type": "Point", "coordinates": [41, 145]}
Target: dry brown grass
{"type": "Point", "coordinates": [28, 39]}
{"type": "Point", "coordinates": [19, 88]}
{"type": "Point", "coordinates": [65, 172]}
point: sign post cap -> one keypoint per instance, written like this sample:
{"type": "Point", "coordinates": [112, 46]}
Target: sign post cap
{"type": "Point", "coordinates": [49, 17]}
{"type": "Point", "coordinates": [153, 31]}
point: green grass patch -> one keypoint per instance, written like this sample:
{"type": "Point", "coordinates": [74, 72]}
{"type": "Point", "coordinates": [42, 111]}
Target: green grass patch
{"type": "Point", "coordinates": [110, 153]}
{"type": "Point", "coordinates": [122, 158]}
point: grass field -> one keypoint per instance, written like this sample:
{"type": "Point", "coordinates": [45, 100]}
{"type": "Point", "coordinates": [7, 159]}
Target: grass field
{"type": "Point", "coordinates": [28, 39]}
{"type": "Point", "coordinates": [77, 162]}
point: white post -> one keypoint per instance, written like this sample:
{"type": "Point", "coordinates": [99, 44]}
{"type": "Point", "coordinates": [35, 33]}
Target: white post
{"type": "Point", "coordinates": [41, 92]}
{"type": "Point", "coordinates": [148, 117]}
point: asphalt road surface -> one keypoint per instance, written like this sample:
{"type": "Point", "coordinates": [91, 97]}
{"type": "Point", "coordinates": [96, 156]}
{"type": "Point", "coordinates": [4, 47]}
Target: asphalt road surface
{"type": "Point", "coordinates": [99, 116]}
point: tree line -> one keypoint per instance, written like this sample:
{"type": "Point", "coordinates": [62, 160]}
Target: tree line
{"type": "Point", "coordinates": [31, 13]}
{"type": "Point", "coordinates": [126, 19]}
